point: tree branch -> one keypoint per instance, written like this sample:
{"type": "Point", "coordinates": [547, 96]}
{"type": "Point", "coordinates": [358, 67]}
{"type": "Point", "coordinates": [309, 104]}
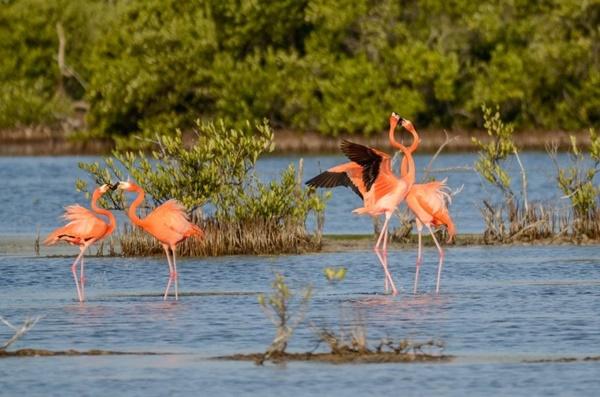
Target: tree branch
{"type": "Point", "coordinates": [437, 153]}
{"type": "Point", "coordinates": [523, 179]}
{"type": "Point", "coordinates": [27, 325]}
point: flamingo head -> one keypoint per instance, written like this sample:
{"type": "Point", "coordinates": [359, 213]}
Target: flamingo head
{"type": "Point", "coordinates": [123, 186]}
{"type": "Point", "coordinates": [101, 190]}
{"type": "Point", "coordinates": [394, 119]}
{"type": "Point", "coordinates": [407, 124]}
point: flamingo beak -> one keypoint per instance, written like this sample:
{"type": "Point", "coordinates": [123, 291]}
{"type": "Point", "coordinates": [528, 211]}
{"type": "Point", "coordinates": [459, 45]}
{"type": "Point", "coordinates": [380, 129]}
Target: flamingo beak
{"type": "Point", "coordinates": [114, 187]}
{"type": "Point", "coordinates": [398, 117]}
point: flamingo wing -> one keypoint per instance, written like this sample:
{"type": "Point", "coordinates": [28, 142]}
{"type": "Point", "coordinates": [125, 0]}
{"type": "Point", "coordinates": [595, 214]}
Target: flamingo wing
{"type": "Point", "coordinates": [348, 174]}
{"type": "Point", "coordinates": [370, 159]}
{"type": "Point", "coordinates": [171, 215]}
{"type": "Point", "coordinates": [431, 197]}
{"type": "Point", "coordinates": [83, 225]}
{"type": "Point", "coordinates": [426, 201]}
{"type": "Point", "coordinates": [438, 193]}
{"type": "Point", "coordinates": [377, 173]}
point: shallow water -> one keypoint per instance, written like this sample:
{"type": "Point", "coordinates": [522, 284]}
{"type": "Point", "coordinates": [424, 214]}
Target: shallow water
{"type": "Point", "coordinates": [498, 307]}
{"type": "Point", "coordinates": [35, 189]}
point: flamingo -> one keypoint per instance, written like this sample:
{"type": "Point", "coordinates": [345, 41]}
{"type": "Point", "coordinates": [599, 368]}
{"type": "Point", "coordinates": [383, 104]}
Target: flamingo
{"type": "Point", "coordinates": [427, 201]}
{"type": "Point", "coordinates": [369, 174]}
{"type": "Point", "coordinates": [168, 223]}
{"type": "Point", "coordinates": [84, 229]}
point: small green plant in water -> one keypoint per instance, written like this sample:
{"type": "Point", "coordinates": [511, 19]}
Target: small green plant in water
{"type": "Point", "coordinates": [335, 274]}
{"type": "Point", "coordinates": [492, 155]}
{"type": "Point", "coordinates": [513, 218]}
{"type": "Point", "coordinates": [576, 181]}
{"type": "Point", "coordinates": [277, 307]}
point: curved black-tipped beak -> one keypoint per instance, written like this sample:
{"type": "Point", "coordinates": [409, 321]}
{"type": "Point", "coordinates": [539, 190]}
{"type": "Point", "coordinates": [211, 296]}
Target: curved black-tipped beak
{"type": "Point", "coordinates": [400, 118]}
{"type": "Point", "coordinates": [114, 187]}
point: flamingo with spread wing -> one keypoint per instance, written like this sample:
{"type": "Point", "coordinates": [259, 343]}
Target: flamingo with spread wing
{"type": "Point", "coordinates": [369, 174]}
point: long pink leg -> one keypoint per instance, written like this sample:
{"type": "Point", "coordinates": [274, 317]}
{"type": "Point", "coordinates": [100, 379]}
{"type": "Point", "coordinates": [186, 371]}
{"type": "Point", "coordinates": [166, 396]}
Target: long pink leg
{"type": "Point", "coordinates": [82, 279]}
{"type": "Point", "coordinates": [74, 271]}
{"type": "Point", "coordinates": [385, 236]}
{"type": "Point", "coordinates": [441, 252]}
{"type": "Point", "coordinates": [175, 275]}
{"type": "Point", "coordinates": [419, 255]}
{"type": "Point", "coordinates": [381, 260]}
{"type": "Point", "coordinates": [383, 255]}
{"type": "Point", "coordinates": [386, 284]}
{"type": "Point", "coordinates": [170, 272]}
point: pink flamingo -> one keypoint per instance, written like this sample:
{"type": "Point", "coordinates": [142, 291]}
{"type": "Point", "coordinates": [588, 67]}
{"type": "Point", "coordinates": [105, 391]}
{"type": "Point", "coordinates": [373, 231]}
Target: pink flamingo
{"type": "Point", "coordinates": [168, 223]}
{"type": "Point", "coordinates": [84, 229]}
{"type": "Point", "coordinates": [369, 174]}
{"type": "Point", "coordinates": [427, 201]}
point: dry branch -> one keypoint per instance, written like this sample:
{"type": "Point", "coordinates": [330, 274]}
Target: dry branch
{"type": "Point", "coordinates": [437, 153]}
{"type": "Point", "coordinates": [27, 325]}
{"type": "Point", "coordinates": [65, 70]}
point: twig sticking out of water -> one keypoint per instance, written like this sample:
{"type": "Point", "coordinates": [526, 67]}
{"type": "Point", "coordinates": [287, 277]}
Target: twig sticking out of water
{"type": "Point", "coordinates": [360, 345]}
{"type": "Point", "coordinates": [358, 341]}
{"type": "Point", "coordinates": [36, 243]}
{"type": "Point", "coordinates": [277, 308]}
{"type": "Point", "coordinates": [437, 153]}
{"type": "Point", "coordinates": [27, 325]}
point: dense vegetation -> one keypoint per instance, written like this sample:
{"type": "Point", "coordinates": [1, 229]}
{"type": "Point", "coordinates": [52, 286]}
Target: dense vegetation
{"type": "Point", "coordinates": [214, 178]}
{"type": "Point", "coordinates": [146, 66]}
{"type": "Point", "coordinates": [513, 217]}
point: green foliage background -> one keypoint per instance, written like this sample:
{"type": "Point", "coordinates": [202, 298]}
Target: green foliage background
{"type": "Point", "coordinates": [327, 66]}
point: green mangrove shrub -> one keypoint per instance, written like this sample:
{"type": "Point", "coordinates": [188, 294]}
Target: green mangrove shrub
{"type": "Point", "coordinates": [577, 182]}
{"type": "Point", "coordinates": [513, 218]}
{"type": "Point", "coordinates": [326, 66]}
{"type": "Point", "coordinates": [215, 172]}
{"type": "Point", "coordinates": [38, 85]}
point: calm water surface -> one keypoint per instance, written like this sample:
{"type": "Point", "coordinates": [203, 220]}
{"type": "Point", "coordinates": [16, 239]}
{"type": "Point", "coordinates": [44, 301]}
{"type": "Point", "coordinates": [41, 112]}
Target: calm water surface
{"type": "Point", "coordinates": [498, 306]}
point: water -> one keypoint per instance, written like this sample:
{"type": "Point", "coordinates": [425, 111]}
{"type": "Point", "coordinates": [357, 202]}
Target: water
{"type": "Point", "coordinates": [498, 307]}
{"type": "Point", "coordinates": [35, 189]}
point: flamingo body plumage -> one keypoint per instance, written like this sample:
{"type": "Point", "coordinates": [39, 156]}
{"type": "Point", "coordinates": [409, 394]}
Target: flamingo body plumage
{"type": "Point", "coordinates": [168, 223]}
{"type": "Point", "coordinates": [370, 175]}
{"type": "Point", "coordinates": [84, 229]}
{"type": "Point", "coordinates": [427, 201]}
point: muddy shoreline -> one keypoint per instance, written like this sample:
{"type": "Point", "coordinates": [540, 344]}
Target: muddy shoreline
{"type": "Point", "coordinates": [354, 358]}
{"type": "Point", "coordinates": [72, 353]}
{"type": "Point", "coordinates": [43, 140]}
{"type": "Point", "coordinates": [345, 358]}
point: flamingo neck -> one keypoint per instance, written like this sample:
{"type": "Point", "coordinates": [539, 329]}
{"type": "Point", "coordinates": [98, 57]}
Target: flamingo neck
{"type": "Point", "coordinates": [111, 218]}
{"type": "Point", "coordinates": [131, 212]}
{"type": "Point", "coordinates": [410, 168]}
{"type": "Point", "coordinates": [411, 149]}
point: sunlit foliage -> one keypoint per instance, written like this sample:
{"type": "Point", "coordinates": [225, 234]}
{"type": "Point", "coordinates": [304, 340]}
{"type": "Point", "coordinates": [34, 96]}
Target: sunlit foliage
{"type": "Point", "coordinates": [214, 178]}
{"type": "Point", "coordinates": [329, 66]}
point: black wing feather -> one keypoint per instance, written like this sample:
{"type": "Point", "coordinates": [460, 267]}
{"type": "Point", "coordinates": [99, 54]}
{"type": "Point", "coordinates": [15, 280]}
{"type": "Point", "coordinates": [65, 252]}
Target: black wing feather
{"type": "Point", "coordinates": [333, 179]}
{"type": "Point", "coordinates": [366, 157]}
